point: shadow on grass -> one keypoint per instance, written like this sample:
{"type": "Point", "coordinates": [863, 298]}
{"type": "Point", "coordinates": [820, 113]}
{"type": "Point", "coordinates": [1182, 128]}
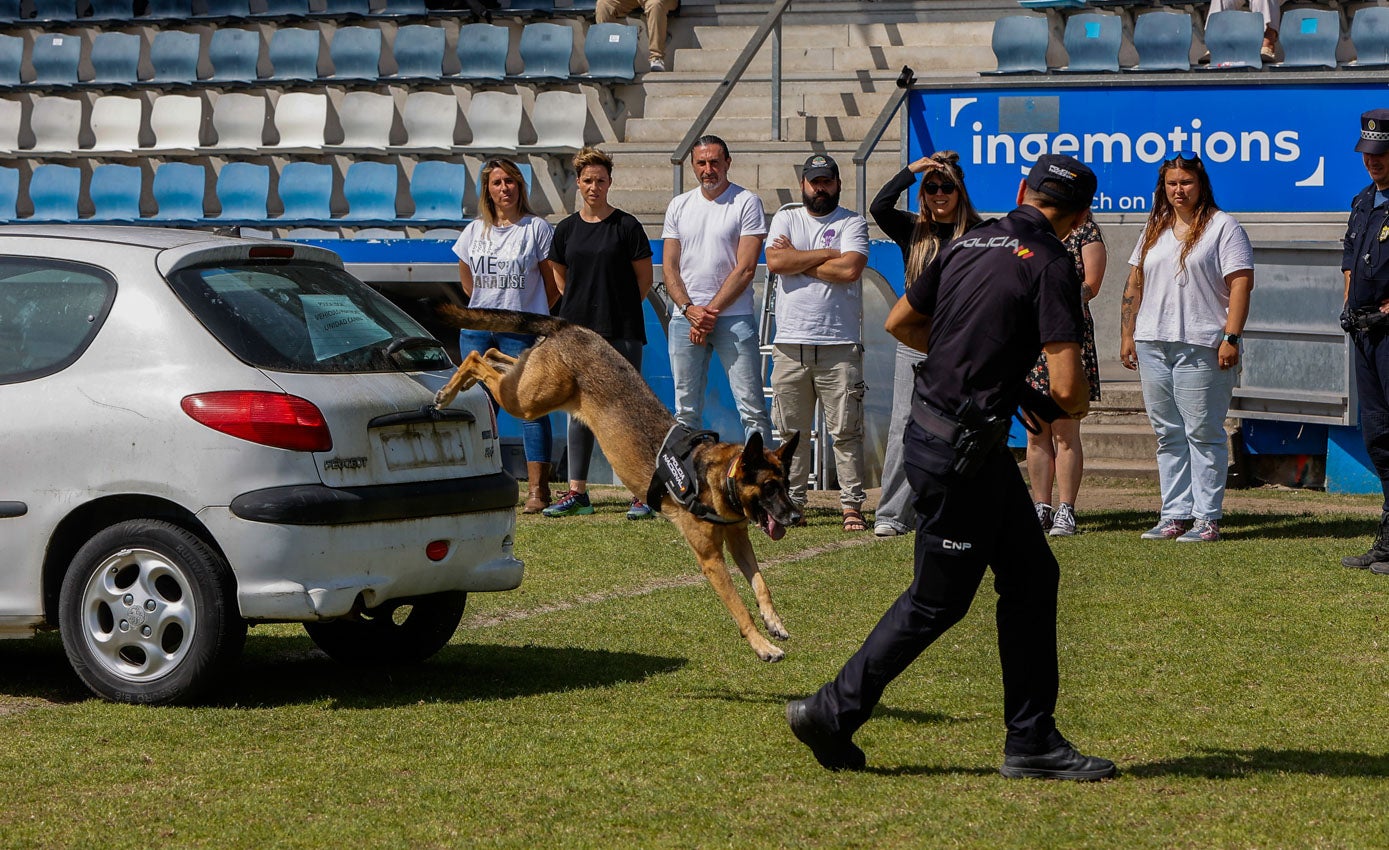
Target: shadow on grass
{"type": "Point", "coordinates": [1241, 525]}
{"type": "Point", "coordinates": [1238, 764]}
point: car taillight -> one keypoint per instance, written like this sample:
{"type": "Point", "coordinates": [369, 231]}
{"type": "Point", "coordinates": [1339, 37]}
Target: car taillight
{"type": "Point", "coordinates": [271, 419]}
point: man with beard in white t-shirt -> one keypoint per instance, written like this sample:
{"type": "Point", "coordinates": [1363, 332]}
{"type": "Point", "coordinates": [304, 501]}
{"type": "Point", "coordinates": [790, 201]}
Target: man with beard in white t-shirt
{"type": "Point", "coordinates": [818, 252]}
{"type": "Point", "coordinates": [712, 238]}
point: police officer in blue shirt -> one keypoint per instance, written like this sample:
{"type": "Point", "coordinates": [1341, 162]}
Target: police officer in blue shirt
{"type": "Point", "coordinates": [1366, 316]}
{"type": "Point", "coordinates": [982, 309]}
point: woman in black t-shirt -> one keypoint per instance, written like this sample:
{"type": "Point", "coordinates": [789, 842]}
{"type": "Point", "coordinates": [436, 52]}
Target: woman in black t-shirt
{"type": "Point", "coordinates": [602, 262]}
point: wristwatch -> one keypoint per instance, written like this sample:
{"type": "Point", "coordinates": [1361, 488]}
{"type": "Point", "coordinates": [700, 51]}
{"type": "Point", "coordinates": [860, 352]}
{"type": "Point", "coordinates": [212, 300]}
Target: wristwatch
{"type": "Point", "coordinates": [686, 308]}
{"type": "Point", "coordinates": [1233, 339]}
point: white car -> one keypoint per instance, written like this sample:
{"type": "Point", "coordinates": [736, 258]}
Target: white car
{"type": "Point", "coordinates": [204, 432]}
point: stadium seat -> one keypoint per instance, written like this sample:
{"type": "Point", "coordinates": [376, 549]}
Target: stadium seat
{"type": "Point", "coordinates": [301, 119]}
{"type": "Point", "coordinates": [177, 121]}
{"type": "Point", "coordinates": [234, 55]}
{"type": "Point", "coordinates": [243, 189]}
{"type": "Point", "coordinates": [11, 12]}
{"type": "Point", "coordinates": [104, 11]}
{"type": "Point", "coordinates": [1052, 4]}
{"type": "Point", "coordinates": [430, 119]}
{"type": "Point", "coordinates": [115, 60]}
{"type": "Point", "coordinates": [53, 192]}
{"type": "Point", "coordinates": [370, 190]}
{"type": "Point", "coordinates": [419, 52]}
{"type": "Point", "coordinates": [1163, 41]}
{"type": "Point", "coordinates": [167, 10]}
{"type": "Point", "coordinates": [238, 118]}
{"type": "Point", "coordinates": [1234, 39]}
{"type": "Point", "coordinates": [1092, 42]}
{"type": "Point", "coordinates": [54, 10]}
{"type": "Point", "coordinates": [11, 60]}
{"type": "Point", "coordinates": [437, 188]}
{"type": "Point", "coordinates": [1309, 38]}
{"type": "Point", "coordinates": [377, 233]}
{"type": "Point", "coordinates": [366, 118]}
{"type": "Point", "coordinates": [356, 54]}
{"type": "Point", "coordinates": [545, 51]}
{"type": "Point", "coordinates": [225, 10]}
{"type": "Point", "coordinates": [482, 50]}
{"type": "Point", "coordinates": [529, 8]}
{"type": "Point", "coordinates": [306, 192]}
{"type": "Point", "coordinates": [313, 234]}
{"type": "Point", "coordinates": [1020, 44]}
{"type": "Point", "coordinates": [115, 193]}
{"type": "Point", "coordinates": [1369, 32]}
{"type": "Point", "coordinates": [56, 123]}
{"type": "Point", "coordinates": [495, 121]}
{"type": "Point", "coordinates": [341, 9]}
{"type": "Point", "coordinates": [559, 118]}
{"type": "Point", "coordinates": [395, 8]}
{"type": "Point", "coordinates": [294, 54]}
{"type": "Point", "coordinates": [179, 188]}
{"type": "Point", "coordinates": [283, 10]}
{"type": "Point", "coordinates": [580, 7]}
{"type": "Point", "coordinates": [55, 57]}
{"type": "Point", "coordinates": [116, 123]}
{"type": "Point", "coordinates": [9, 193]}
{"type": "Point", "coordinates": [611, 51]}
{"type": "Point", "coordinates": [174, 57]}
{"type": "Point", "coordinates": [445, 234]}
{"type": "Point", "coordinates": [11, 116]}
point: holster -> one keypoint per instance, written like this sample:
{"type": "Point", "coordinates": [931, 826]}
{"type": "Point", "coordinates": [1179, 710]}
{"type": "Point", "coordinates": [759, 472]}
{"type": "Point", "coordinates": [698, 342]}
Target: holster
{"type": "Point", "coordinates": [1365, 320]}
{"type": "Point", "coordinates": [971, 438]}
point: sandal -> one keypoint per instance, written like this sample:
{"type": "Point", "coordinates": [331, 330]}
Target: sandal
{"type": "Point", "coordinates": [854, 521]}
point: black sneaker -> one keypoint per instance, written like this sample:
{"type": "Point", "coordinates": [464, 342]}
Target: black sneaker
{"type": "Point", "coordinates": [833, 750]}
{"type": "Point", "coordinates": [1368, 561]}
{"type": "Point", "coordinates": [1064, 762]}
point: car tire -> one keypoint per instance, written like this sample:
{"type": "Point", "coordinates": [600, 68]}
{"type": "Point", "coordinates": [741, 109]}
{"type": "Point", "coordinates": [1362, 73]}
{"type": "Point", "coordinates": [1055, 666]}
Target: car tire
{"type": "Point", "coordinates": [148, 613]}
{"type": "Point", "coordinates": [402, 631]}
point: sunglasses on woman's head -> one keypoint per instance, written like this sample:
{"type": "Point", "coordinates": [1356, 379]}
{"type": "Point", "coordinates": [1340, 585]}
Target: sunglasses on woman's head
{"type": "Point", "coordinates": [1183, 156]}
{"type": "Point", "coordinates": [933, 188]}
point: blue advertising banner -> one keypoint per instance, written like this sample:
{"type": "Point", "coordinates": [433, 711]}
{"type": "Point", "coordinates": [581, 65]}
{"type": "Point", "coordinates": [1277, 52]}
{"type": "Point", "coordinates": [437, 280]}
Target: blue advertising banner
{"type": "Point", "coordinates": [1268, 148]}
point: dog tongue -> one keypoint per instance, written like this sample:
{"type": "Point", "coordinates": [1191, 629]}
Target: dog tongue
{"type": "Point", "coordinates": [774, 529]}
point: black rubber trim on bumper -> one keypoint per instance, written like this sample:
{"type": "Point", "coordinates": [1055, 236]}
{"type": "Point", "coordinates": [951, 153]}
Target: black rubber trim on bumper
{"type": "Point", "coordinates": [10, 510]}
{"type": "Point", "coordinates": [316, 504]}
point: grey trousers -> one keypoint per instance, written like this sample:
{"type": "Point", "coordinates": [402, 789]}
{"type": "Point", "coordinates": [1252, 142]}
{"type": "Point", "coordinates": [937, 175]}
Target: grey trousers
{"type": "Point", "coordinates": [895, 505]}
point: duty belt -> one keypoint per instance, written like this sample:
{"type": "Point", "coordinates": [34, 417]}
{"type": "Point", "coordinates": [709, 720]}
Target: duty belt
{"type": "Point", "coordinates": [936, 424]}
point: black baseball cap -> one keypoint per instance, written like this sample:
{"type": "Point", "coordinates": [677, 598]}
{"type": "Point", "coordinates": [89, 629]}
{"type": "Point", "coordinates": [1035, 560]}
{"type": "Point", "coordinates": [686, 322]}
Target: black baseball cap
{"type": "Point", "coordinates": [1374, 132]}
{"type": "Point", "coordinates": [820, 165]}
{"type": "Point", "coordinates": [1064, 178]}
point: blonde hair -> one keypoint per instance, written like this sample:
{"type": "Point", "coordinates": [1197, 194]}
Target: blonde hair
{"type": "Point", "coordinates": [487, 208]}
{"type": "Point", "coordinates": [592, 156]}
{"type": "Point", "coordinates": [925, 245]}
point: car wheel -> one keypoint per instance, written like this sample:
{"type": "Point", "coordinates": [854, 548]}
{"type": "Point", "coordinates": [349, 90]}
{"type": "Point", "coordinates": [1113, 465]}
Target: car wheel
{"type": "Point", "coordinates": [403, 631]}
{"type": "Point", "coordinates": [148, 613]}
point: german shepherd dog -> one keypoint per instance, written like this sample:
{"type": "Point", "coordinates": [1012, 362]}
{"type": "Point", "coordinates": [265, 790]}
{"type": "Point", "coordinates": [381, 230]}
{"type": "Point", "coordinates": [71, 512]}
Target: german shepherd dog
{"type": "Point", "coordinates": [571, 368]}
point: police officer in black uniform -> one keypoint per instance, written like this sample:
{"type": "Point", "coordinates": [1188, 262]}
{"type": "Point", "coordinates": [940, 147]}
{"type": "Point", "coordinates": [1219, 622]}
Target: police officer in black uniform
{"type": "Point", "coordinates": [1366, 316]}
{"type": "Point", "coordinates": [983, 309]}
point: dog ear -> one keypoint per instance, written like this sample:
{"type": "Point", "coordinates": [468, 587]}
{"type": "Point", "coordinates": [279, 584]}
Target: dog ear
{"type": "Point", "coordinates": [753, 451]}
{"type": "Point", "coordinates": [788, 448]}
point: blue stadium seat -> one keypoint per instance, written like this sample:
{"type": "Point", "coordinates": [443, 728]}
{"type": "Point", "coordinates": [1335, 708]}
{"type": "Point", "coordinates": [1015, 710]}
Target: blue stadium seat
{"type": "Point", "coordinates": [611, 51]}
{"type": "Point", "coordinates": [243, 189]}
{"type": "Point", "coordinates": [1234, 39]}
{"type": "Point", "coordinates": [234, 55]}
{"type": "Point", "coordinates": [529, 8]}
{"type": "Point", "coordinates": [419, 52]}
{"type": "Point", "coordinates": [225, 10]}
{"type": "Point", "coordinates": [178, 191]}
{"type": "Point", "coordinates": [1309, 38]}
{"type": "Point", "coordinates": [370, 190]}
{"type": "Point", "coordinates": [1163, 41]}
{"type": "Point", "coordinates": [1092, 41]}
{"type": "Point", "coordinates": [115, 60]}
{"type": "Point", "coordinates": [356, 54]}
{"type": "Point", "coordinates": [115, 193]}
{"type": "Point", "coordinates": [111, 10]}
{"type": "Point", "coordinates": [580, 7]}
{"type": "Point", "coordinates": [55, 57]}
{"type": "Point", "coordinates": [545, 51]}
{"type": "Point", "coordinates": [55, 10]}
{"type": "Point", "coordinates": [1020, 44]}
{"type": "Point", "coordinates": [11, 60]}
{"type": "Point", "coordinates": [482, 51]}
{"type": "Point", "coordinates": [174, 57]}
{"type": "Point", "coordinates": [9, 193]}
{"type": "Point", "coordinates": [340, 9]}
{"type": "Point", "coordinates": [437, 188]}
{"type": "Point", "coordinates": [294, 54]}
{"type": "Point", "coordinates": [1052, 4]}
{"type": "Point", "coordinates": [167, 10]}
{"type": "Point", "coordinates": [1369, 32]}
{"type": "Point", "coordinates": [306, 192]}
{"type": "Point", "coordinates": [284, 10]}
{"type": "Point", "coordinates": [11, 12]}
{"type": "Point", "coordinates": [53, 190]}
{"type": "Point", "coordinates": [395, 8]}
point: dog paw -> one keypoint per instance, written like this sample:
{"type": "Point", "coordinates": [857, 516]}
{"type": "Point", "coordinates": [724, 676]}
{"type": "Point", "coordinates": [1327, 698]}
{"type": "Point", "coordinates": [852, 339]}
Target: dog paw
{"type": "Point", "coordinates": [777, 630]}
{"type": "Point", "coordinates": [771, 654]}
{"type": "Point", "coordinates": [443, 398]}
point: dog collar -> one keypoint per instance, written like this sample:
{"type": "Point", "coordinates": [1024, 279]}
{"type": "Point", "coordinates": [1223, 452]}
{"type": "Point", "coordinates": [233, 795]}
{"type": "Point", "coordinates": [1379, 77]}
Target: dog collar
{"type": "Point", "coordinates": [730, 488]}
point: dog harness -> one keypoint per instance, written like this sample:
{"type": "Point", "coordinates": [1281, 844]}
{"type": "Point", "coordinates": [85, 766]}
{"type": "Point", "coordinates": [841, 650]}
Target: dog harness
{"type": "Point", "coordinates": [677, 477]}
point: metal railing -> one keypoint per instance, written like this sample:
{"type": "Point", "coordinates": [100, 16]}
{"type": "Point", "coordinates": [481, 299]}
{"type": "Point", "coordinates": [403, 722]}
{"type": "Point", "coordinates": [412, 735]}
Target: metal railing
{"type": "Point", "coordinates": [905, 81]}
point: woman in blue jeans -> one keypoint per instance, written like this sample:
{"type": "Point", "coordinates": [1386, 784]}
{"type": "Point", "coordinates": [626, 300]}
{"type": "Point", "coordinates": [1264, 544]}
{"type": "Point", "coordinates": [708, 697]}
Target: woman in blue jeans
{"type": "Point", "coordinates": [503, 264]}
{"type": "Point", "coordinates": [1184, 308]}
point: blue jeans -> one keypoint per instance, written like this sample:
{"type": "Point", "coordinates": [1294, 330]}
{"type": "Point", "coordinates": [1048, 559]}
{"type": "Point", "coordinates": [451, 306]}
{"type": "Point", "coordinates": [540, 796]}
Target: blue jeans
{"type": "Point", "coordinates": [1187, 395]}
{"type": "Point", "coordinates": [895, 504]}
{"type": "Point", "coordinates": [735, 339]}
{"type": "Point", "coordinates": [536, 434]}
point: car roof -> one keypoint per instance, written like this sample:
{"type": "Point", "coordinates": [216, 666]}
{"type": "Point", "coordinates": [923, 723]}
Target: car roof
{"type": "Point", "coordinates": [177, 247]}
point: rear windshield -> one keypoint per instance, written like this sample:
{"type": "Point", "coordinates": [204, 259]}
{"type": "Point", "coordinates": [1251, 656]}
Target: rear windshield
{"type": "Point", "coordinates": [305, 317]}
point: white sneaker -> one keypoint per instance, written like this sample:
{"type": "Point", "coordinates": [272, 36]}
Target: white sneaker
{"type": "Point", "coordinates": [658, 65]}
{"type": "Point", "coordinates": [1044, 514]}
{"type": "Point", "coordinates": [1063, 522]}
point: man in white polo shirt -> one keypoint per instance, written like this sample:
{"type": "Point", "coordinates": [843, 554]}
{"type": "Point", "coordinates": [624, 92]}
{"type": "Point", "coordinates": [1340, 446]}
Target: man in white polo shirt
{"type": "Point", "coordinates": [818, 252]}
{"type": "Point", "coordinates": [713, 236]}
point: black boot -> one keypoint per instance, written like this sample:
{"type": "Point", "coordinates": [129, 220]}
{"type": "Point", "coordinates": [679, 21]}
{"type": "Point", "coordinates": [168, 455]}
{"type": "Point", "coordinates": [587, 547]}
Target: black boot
{"type": "Point", "coordinates": [1378, 556]}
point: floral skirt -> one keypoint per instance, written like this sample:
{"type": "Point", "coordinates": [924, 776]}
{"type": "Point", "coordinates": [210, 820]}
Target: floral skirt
{"type": "Point", "coordinates": [1038, 378]}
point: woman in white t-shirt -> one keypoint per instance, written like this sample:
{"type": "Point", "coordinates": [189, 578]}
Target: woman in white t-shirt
{"type": "Point", "coordinates": [1184, 308]}
{"type": "Point", "coordinates": [503, 264]}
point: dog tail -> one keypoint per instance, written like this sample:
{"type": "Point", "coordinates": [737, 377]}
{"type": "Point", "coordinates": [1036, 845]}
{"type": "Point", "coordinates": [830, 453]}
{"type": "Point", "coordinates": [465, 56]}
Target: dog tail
{"type": "Point", "coordinates": [504, 321]}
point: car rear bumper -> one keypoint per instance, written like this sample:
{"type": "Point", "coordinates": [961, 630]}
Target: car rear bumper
{"type": "Point", "coordinates": [318, 504]}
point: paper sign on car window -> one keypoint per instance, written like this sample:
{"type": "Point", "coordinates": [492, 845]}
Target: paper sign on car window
{"type": "Point", "coordinates": [337, 325]}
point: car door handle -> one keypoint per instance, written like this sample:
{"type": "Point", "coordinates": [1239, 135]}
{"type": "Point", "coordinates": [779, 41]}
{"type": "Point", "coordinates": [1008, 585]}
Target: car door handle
{"type": "Point", "coordinates": [427, 413]}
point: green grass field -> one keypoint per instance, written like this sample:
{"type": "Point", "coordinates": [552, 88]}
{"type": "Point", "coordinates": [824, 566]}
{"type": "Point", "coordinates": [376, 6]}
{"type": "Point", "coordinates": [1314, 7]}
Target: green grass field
{"type": "Point", "coordinates": [1242, 688]}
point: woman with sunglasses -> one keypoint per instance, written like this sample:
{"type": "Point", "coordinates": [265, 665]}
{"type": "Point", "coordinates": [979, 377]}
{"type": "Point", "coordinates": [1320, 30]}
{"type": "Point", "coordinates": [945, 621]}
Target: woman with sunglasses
{"type": "Point", "coordinates": [1054, 455]}
{"type": "Point", "coordinates": [1184, 308]}
{"type": "Point", "coordinates": [944, 212]}
{"type": "Point", "coordinates": [503, 264]}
